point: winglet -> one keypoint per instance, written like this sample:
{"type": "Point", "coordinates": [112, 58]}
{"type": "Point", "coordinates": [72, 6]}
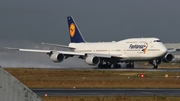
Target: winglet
{"type": "Point", "coordinates": [75, 34]}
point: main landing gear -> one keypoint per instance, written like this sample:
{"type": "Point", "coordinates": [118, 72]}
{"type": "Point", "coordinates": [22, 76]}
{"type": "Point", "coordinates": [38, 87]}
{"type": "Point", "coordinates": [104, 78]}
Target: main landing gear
{"type": "Point", "coordinates": [104, 65]}
{"type": "Point", "coordinates": [130, 65]}
{"type": "Point", "coordinates": [107, 64]}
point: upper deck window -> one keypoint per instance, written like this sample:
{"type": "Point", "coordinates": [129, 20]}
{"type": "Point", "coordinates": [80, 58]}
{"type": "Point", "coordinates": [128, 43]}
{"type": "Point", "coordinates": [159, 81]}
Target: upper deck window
{"type": "Point", "coordinates": [157, 40]}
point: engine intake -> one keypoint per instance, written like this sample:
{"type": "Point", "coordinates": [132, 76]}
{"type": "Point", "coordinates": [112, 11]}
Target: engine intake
{"type": "Point", "coordinates": [92, 60]}
{"type": "Point", "coordinates": [57, 57]}
{"type": "Point", "coordinates": [168, 58]}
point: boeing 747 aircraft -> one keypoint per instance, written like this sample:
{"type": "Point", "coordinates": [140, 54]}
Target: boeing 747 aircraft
{"type": "Point", "coordinates": [108, 54]}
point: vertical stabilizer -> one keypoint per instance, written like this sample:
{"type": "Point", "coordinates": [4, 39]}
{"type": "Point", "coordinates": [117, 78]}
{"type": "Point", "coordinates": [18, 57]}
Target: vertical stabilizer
{"type": "Point", "coordinates": [75, 34]}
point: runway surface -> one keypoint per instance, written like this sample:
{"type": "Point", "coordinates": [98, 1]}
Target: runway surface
{"type": "Point", "coordinates": [121, 69]}
{"type": "Point", "coordinates": [107, 92]}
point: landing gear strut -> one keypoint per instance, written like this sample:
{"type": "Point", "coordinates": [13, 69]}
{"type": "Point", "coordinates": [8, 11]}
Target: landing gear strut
{"type": "Point", "coordinates": [130, 65]}
{"type": "Point", "coordinates": [155, 64]}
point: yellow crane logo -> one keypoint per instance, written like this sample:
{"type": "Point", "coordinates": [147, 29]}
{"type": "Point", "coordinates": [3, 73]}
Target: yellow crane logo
{"type": "Point", "coordinates": [72, 29]}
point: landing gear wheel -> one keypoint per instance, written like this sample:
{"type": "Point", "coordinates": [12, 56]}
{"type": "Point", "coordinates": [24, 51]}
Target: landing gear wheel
{"type": "Point", "coordinates": [106, 65]}
{"type": "Point", "coordinates": [130, 65]}
{"type": "Point", "coordinates": [116, 65]}
{"type": "Point", "coordinates": [155, 67]}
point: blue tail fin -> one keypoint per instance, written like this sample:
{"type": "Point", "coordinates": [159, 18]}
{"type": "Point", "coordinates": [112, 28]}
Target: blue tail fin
{"type": "Point", "coordinates": [75, 34]}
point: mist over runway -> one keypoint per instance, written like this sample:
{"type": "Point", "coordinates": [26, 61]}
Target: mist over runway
{"type": "Point", "coordinates": [13, 58]}
{"type": "Point", "coordinates": [16, 59]}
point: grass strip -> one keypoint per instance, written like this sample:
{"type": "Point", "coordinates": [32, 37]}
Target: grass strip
{"type": "Point", "coordinates": [57, 78]}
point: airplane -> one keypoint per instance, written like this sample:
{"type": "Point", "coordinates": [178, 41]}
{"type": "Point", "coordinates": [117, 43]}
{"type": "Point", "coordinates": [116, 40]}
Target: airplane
{"type": "Point", "coordinates": [108, 54]}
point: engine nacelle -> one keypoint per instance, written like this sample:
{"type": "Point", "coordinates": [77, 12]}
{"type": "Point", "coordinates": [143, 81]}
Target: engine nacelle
{"type": "Point", "coordinates": [168, 58]}
{"type": "Point", "coordinates": [57, 57]}
{"type": "Point", "coordinates": [92, 60]}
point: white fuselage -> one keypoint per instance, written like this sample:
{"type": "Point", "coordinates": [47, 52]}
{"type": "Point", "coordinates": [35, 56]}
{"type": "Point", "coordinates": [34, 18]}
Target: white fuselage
{"type": "Point", "coordinates": [134, 49]}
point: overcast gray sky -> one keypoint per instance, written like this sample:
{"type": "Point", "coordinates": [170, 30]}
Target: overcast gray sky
{"type": "Point", "coordinates": [98, 20]}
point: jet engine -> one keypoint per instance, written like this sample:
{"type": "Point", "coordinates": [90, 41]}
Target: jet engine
{"type": "Point", "coordinates": [92, 60]}
{"type": "Point", "coordinates": [168, 58]}
{"type": "Point", "coordinates": [57, 57]}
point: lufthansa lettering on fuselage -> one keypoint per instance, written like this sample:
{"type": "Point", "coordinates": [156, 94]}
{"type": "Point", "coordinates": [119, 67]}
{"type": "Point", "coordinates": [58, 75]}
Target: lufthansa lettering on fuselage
{"type": "Point", "coordinates": [136, 46]}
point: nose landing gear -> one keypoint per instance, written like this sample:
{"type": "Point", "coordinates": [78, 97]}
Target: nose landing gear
{"type": "Point", "coordinates": [155, 63]}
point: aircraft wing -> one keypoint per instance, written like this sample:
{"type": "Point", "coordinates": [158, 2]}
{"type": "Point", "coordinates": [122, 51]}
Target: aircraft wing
{"type": "Point", "coordinates": [46, 51]}
{"type": "Point", "coordinates": [171, 50]}
{"type": "Point", "coordinates": [120, 56]}
{"type": "Point", "coordinates": [70, 53]}
{"type": "Point", "coordinates": [29, 50]}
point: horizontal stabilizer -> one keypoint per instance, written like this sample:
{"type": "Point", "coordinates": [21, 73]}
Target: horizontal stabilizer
{"type": "Point", "coordinates": [57, 45]}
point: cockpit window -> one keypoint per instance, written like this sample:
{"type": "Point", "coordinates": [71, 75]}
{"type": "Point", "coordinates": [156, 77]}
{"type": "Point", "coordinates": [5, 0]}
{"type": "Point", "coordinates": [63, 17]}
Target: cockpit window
{"type": "Point", "coordinates": [157, 40]}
